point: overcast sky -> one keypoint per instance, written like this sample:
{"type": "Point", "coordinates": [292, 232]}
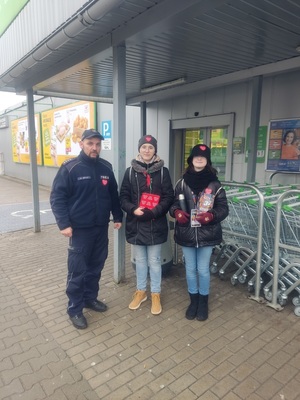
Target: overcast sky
{"type": "Point", "coordinates": [9, 99]}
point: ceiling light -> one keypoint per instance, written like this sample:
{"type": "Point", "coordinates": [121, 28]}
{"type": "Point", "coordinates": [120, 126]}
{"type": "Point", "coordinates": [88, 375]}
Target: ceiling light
{"type": "Point", "coordinates": [164, 85]}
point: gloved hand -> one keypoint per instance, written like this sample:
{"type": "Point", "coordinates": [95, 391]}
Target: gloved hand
{"type": "Point", "coordinates": [205, 218]}
{"type": "Point", "coordinates": [182, 217]}
{"type": "Point", "coordinates": [147, 216]}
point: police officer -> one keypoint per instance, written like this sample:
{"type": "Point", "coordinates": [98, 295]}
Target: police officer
{"type": "Point", "coordinates": [84, 194]}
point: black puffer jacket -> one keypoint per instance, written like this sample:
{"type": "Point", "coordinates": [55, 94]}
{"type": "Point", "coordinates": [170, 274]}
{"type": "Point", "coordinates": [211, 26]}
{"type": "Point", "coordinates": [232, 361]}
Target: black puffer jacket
{"type": "Point", "coordinates": [154, 231]}
{"type": "Point", "coordinates": [205, 235]}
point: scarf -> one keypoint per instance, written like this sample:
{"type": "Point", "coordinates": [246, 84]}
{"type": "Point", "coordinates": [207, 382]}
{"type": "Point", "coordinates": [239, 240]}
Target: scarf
{"type": "Point", "coordinates": [140, 166]}
{"type": "Point", "coordinates": [198, 181]}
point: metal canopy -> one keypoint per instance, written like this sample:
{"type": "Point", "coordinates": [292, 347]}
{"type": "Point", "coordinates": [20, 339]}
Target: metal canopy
{"type": "Point", "coordinates": [204, 43]}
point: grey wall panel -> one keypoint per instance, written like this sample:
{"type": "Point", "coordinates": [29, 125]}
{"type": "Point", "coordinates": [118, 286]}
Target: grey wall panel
{"type": "Point", "coordinates": [279, 100]}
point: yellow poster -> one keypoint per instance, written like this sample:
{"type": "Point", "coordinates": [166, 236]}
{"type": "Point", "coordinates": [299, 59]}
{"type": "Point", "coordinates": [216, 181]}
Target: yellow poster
{"type": "Point", "coordinates": [20, 140]}
{"type": "Point", "coordinates": [62, 129]}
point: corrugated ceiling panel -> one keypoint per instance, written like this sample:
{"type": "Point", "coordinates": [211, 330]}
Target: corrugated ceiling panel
{"type": "Point", "coordinates": [232, 36]}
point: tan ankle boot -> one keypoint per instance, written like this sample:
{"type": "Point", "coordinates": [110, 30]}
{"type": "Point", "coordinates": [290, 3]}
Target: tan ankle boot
{"type": "Point", "coordinates": [138, 297]}
{"type": "Point", "coordinates": [156, 306]}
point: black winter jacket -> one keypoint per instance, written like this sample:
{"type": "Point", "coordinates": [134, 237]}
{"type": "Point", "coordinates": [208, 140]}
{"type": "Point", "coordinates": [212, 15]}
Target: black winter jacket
{"type": "Point", "coordinates": [84, 193]}
{"type": "Point", "coordinates": [205, 235]}
{"type": "Point", "coordinates": [154, 231]}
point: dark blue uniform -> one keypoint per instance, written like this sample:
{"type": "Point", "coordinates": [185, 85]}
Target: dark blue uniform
{"type": "Point", "coordinates": [83, 196]}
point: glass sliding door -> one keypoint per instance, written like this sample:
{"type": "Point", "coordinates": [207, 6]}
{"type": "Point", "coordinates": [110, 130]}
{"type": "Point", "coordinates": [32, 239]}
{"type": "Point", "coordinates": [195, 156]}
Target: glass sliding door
{"type": "Point", "coordinates": [218, 145]}
{"type": "Point", "coordinates": [216, 139]}
{"type": "Point", "coordinates": [191, 138]}
{"type": "Point", "coordinates": [216, 131]}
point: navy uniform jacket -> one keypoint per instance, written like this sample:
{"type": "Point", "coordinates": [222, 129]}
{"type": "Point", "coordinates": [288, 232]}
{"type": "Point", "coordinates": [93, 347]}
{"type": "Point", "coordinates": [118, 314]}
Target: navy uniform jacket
{"type": "Point", "coordinates": [84, 193]}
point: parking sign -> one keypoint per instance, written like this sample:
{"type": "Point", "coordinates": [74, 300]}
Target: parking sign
{"type": "Point", "coordinates": [106, 133]}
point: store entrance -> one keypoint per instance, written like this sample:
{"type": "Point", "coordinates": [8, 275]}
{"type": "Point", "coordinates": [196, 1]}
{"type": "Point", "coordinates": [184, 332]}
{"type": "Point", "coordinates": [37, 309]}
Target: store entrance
{"type": "Point", "coordinates": [215, 138]}
{"type": "Point", "coordinates": [216, 131]}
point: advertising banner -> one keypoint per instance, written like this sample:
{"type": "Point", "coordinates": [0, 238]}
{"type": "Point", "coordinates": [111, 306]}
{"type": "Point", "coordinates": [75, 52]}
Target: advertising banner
{"type": "Point", "coordinates": [20, 140]}
{"type": "Point", "coordinates": [62, 129]}
{"type": "Point", "coordinates": [284, 145]}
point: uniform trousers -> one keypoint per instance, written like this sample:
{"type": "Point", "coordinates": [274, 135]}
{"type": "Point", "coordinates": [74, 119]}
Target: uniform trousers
{"type": "Point", "coordinates": [87, 252]}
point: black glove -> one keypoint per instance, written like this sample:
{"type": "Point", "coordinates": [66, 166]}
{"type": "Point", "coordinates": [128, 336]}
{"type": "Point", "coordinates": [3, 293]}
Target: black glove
{"type": "Point", "coordinates": [147, 216]}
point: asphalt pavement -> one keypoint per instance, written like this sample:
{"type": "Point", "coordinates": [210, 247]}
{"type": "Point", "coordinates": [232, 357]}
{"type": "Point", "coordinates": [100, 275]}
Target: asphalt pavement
{"type": "Point", "coordinates": [20, 216]}
{"type": "Point", "coordinates": [16, 205]}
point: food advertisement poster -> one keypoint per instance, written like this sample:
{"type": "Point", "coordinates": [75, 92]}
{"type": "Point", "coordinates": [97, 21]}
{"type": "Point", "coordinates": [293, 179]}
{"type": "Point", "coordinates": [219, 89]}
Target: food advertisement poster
{"type": "Point", "coordinates": [20, 140]}
{"type": "Point", "coordinates": [284, 145]}
{"type": "Point", "coordinates": [62, 129]}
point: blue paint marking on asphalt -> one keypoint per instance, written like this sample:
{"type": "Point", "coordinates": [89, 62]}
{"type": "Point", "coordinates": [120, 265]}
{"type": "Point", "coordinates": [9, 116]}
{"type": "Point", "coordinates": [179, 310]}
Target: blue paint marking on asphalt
{"type": "Point", "coordinates": [15, 217]}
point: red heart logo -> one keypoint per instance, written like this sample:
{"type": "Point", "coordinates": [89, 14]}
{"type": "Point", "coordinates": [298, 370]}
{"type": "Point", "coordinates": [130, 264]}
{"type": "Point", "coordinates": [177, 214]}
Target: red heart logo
{"type": "Point", "coordinates": [148, 138]}
{"type": "Point", "coordinates": [104, 182]}
{"type": "Point", "coordinates": [203, 148]}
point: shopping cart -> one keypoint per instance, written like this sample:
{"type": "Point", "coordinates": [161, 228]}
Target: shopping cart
{"type": "Point", "coordinates": [286, 264]}
{"type": "Point", "coordinates": [241, 232]}
{"type": "Point", "coordinates": [242, 240]}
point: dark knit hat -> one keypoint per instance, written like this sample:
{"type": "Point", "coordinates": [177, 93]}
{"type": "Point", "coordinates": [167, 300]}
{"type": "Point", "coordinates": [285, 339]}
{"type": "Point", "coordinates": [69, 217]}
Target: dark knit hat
{"type": "Point", "coordinates": [89, 133]}
{"type": "Point", "coordinates": [148, 139]}
{"type": "Point", "coordinates": [200, 150]}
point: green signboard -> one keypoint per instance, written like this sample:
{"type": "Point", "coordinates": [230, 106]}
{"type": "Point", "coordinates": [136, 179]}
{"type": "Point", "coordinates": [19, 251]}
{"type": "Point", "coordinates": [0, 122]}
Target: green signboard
{"type": "Point", "coordinates": [9, 9]}
{"type": "Point", "coordinates": [261, 144]}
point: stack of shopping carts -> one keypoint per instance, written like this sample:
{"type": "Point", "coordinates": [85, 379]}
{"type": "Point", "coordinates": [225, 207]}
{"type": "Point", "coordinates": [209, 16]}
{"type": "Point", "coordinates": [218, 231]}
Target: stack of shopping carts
{"type": "Point", "coordinates": [249, 232]}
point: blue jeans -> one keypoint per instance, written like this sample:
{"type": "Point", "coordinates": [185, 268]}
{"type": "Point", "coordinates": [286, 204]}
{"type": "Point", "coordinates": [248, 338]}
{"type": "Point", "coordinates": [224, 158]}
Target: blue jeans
{"type": "Point", "coordinates": [197, 261]}
{"type": "Point", "coordinates": [148, 256]}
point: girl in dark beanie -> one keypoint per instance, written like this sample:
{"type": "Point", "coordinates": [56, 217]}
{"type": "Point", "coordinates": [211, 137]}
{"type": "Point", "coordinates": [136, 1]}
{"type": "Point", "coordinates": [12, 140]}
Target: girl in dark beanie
{"type": "Point", "coordinates": [200, 205]}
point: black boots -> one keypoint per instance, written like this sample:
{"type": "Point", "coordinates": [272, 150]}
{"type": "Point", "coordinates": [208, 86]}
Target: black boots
{"type": "Point", "coordinates": [202, 312]}
{"type": "Point", "coordinates": [191, 311]}
{"type": "Point", "coordinates": [198, 307]}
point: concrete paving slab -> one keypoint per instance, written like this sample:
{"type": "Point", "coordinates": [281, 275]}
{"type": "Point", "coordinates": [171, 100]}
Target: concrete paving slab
{"type": "Point", "coordinates": [244, 351]}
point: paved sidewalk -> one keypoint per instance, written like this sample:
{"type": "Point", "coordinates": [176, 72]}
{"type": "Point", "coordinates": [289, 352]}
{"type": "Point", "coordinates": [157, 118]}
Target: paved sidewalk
{"type": "Point", "coordinates": [14, 191]}
{"type": "Point", "coordinates": [244, 351]}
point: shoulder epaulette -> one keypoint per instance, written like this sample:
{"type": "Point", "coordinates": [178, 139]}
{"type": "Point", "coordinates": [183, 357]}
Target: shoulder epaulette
{"type": "Point", "coordinates": [106, 163]}
{"type": "Point", "coordinates": [71, 163]}
{"type": "Point", "coordinates": [68, 161]}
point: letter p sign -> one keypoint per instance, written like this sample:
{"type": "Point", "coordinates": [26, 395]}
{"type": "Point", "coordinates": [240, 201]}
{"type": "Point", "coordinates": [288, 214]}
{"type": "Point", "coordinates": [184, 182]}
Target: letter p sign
{"type": "Point", "coordinates": [106, 129]}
